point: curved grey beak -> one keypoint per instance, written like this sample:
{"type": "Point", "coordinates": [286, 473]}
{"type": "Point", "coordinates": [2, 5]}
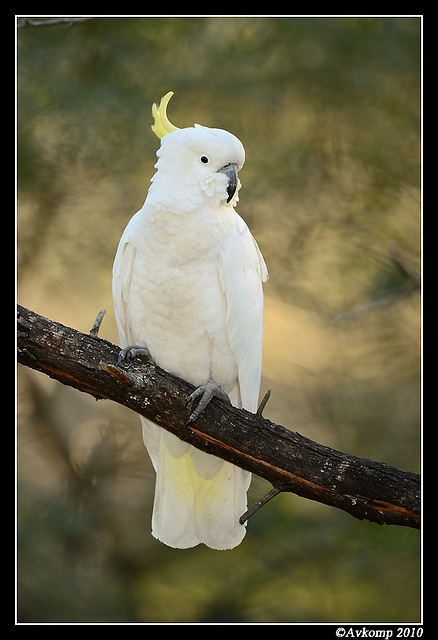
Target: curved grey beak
{"type": "Point", "coordinates": [230, 170]}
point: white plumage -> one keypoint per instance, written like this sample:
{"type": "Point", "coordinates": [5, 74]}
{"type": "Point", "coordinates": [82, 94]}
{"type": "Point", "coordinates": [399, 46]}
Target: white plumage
{"type": "Point", "coordinates": [187, 284]}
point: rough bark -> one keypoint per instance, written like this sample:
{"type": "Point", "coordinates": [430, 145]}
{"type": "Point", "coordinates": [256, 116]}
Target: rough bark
{"type": "Point", "coordinates": [291, 462]}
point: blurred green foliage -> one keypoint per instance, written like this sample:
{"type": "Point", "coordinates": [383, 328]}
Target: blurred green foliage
{"type": "Point", "coordinates": [328, 110]}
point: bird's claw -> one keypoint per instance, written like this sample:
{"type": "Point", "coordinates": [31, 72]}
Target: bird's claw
{"type": "Point", "coordinates": [207, 391]}
{"type": "Point", "coordinates": [129, 353]}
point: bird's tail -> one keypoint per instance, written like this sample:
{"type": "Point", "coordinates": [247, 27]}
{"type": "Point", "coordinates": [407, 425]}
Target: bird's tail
{"type": "Point", "coordinates": [198, 497]}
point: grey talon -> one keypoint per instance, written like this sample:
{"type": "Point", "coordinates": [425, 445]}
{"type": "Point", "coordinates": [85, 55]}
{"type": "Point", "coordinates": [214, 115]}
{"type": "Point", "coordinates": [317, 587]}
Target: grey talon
{"type": "Point", "coordinates": [129, 353]}
{"type": "Point", "coordinates": [207, 391]}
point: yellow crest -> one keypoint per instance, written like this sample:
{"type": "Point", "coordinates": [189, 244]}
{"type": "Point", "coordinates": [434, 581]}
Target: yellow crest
{"type": "Point", "coordinates": [162, 126]}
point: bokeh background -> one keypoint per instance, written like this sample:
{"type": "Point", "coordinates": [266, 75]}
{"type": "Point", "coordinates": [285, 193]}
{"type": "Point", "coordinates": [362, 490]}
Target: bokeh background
{"type": "Point", "coordinates": [328, 110]}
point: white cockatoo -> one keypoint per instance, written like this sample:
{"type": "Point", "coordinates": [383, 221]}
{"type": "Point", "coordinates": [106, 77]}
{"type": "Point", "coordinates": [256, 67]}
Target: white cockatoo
{"type": "Point", "coordinates": [187, 288]}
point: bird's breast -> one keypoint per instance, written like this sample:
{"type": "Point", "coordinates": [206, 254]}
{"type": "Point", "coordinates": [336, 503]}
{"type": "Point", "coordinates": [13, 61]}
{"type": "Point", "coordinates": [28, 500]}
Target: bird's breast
{"type": "Point", "coordinates": [177, 306]}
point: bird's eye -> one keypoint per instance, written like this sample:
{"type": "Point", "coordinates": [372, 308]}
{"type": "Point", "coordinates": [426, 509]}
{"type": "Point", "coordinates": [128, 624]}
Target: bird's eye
{"type": "Point", "coordinates": [204, 159]}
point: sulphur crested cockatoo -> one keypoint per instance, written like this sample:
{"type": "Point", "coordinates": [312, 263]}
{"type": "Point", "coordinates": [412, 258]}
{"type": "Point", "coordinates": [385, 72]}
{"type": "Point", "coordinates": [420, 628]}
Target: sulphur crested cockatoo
{"type": "Point", "coordinates": [187, 288]}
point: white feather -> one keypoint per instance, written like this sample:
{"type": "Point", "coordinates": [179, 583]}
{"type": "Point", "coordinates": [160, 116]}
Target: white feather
{"type": "Point", "coordinates": [187, 284]}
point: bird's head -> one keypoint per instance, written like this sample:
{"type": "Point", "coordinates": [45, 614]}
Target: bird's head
{"type": "Point", "coordinates": [198, 163]}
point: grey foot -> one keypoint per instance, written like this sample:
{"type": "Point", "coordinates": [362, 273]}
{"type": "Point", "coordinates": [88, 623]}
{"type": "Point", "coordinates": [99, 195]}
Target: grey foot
{"type": "Point", "coordinates": [129, 353]}
{"type": "Point", "coordinates": [207, 391]}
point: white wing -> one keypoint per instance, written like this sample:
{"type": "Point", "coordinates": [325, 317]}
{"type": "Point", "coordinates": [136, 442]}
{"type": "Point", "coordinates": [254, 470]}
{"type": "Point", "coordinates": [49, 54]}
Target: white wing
{"type": "Point", "coordinates": [123, 268]}
{"type": "Point", "coordinates": [242, 271]}
{"type": "Point", "coordinates": [122, 278]}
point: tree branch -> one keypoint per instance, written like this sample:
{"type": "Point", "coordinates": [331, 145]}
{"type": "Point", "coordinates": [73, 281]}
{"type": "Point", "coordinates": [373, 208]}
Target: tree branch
{"type": "Point", "coordinates": [290, 462]}
{"type": "Point", "coordinates": [25, 23]}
